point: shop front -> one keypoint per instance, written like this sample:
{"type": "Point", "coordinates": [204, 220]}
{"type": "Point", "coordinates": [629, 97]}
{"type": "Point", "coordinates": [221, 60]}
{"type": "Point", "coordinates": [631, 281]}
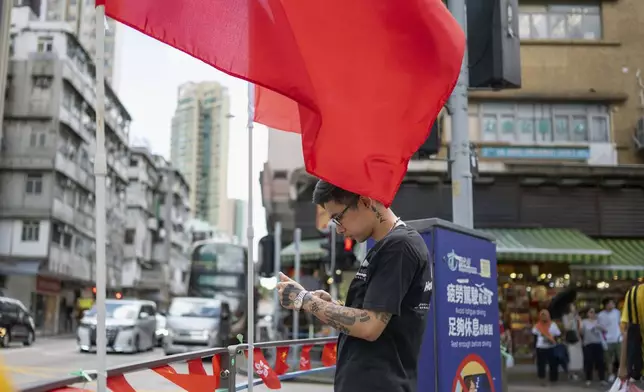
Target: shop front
{"type": "Point", "coordinates": [44, 304]}
{"type": "Point", "coordinates": [535, 265]}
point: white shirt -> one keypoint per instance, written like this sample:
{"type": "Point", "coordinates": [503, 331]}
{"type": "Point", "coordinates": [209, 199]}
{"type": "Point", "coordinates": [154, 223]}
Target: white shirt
{"type": "Point", "coordinates": [610, 321]}
{"type": "Point", "coordinates": [542, 342]}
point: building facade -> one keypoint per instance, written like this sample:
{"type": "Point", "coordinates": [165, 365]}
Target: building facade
{"type": "Point", "coordinates": [80, 16]}
{"type": "Point", "coordinates": [156, 265]}
{"type": "Point", "coordinates": [199, 148]}
{"type": "Point", "coordinates": [47, 200]}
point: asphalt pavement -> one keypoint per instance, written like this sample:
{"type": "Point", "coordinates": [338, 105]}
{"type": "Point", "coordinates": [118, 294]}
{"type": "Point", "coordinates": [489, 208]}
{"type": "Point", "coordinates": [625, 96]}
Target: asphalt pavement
{"type": "Point", "coordinates": [54, 358]}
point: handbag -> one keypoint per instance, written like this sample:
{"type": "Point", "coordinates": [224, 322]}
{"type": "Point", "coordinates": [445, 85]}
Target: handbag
{"type": "Point", "coordinates": [571, 337]}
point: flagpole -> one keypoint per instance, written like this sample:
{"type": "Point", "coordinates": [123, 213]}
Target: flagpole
{"type": "Point", "coordinates": [100, 172]}
{"type": "Point", "coordinates": [251, 264]}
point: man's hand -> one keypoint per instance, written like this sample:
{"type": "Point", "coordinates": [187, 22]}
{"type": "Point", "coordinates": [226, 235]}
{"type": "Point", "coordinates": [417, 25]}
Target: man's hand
{"type": "Point", "coordinates": [287, 290]}
{"type": "Point", "coordinates": [622, 373]}
{"type": "Point", "coordinates": [323, 295]}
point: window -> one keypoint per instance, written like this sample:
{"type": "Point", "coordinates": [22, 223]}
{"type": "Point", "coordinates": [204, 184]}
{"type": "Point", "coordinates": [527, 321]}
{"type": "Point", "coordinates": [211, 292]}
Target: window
{"type": "Point", "coordinates": [34, 184]}
{"type": "Point", "coordinates": [30, 231]}
{"type": "Point", "coordinates": [536, 123]}
{"type": "Point", "coordinates": [574, 22]}
{"type": "Point", "coordinates": [129, 236]}
{"type": "Point", "coordinates": [37, 139]}
{"type": "Point", "coordinates": [45, 44]}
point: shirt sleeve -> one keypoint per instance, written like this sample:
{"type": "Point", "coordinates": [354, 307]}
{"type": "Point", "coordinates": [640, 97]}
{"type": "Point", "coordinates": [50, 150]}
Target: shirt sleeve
{"type": "Point", "coordinates": [625, 308]}
{"type": "Point", "coordinates": [394, 268]}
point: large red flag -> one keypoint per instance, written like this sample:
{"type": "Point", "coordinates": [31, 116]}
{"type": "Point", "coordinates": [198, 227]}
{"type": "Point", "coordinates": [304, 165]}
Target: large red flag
{"type": "Point", "coordinates": [361, 80]}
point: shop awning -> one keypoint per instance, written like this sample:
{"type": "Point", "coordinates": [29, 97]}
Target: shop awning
{"type": "Point", "coordinates": [627, 261]}
{"type": "Point", "coordinates": [309, 250]}
{"type": "Point", "coordinates": [22, 267]}
{"type": "Point", "coordinates": [547, 245]}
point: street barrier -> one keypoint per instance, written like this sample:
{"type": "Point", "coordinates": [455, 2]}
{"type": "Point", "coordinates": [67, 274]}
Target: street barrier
{"type": "Point", "coordinates": [224, 369]}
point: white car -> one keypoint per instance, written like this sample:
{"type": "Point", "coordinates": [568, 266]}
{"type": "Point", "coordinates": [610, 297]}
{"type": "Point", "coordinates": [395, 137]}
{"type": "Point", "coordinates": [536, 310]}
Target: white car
{"type": "Point", "coordinates": [130, 327]}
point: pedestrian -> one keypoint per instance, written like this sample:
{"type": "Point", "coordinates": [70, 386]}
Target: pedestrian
{"type": "Point", "coordinates": [546, 333]}
{"type": "Point", "coordinates": [631, 359]}
{"type": "Point", "coordinates": [382, 323]}
{"type": "Point", "coordinates": [592, 335]}
{"type": "Point", "coordinates": [572, 339]}
{"type": "Point", "coordinates": [609, 318]}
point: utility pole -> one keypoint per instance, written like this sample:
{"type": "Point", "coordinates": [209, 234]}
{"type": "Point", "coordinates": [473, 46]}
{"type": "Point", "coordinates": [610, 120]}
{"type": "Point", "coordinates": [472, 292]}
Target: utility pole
{"type": "Point", "coordinates": [167, 227]}
{"type": "Point", "coordinates": [460, 154]}
{"type": "Point", "coordinates": [277, 259]}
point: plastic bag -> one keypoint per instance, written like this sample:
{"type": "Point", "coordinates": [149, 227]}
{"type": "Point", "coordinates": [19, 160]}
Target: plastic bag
{"type": "Point", "coordinates": [509, 362]}
{"type": "Point", "coordinates": [620, 386]}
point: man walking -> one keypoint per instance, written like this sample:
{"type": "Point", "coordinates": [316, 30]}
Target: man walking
{"type": "Point", "coordinates": [381, 327]}
{"type": "Point", "coordinates": [610, 319]}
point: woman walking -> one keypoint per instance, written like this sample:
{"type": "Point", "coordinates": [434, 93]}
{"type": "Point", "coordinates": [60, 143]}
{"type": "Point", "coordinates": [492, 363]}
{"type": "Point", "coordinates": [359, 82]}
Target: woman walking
{"type": "Point", "coordinates": [592, 335]}
{"type": "Point", "coordinates": [572, 325]}
{"type": "Point", "coordinates": [546, 331]}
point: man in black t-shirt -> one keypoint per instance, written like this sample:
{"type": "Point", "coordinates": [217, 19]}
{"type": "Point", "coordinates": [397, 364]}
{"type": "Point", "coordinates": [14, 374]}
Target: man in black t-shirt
{"type": "Point", "coordinates": [381, 327]}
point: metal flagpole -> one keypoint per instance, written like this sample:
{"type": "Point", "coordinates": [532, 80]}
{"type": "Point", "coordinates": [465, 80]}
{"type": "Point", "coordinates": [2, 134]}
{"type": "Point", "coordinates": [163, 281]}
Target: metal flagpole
{"type": "Point", "coordinates": [462, 209]}
{"type": "Point", "coordinates": [251, 264]}
{"type": "Point", "coordinates": [100, 172]}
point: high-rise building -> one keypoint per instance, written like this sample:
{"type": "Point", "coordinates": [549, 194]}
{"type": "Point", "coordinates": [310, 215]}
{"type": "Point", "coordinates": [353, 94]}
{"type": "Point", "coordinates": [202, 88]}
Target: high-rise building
{"type": "Point", "coordinates": [80, 15]}
{"type": "Point", "coordinates": [47, 197]}
{"type": "Point", "coordinates": [199, 148]}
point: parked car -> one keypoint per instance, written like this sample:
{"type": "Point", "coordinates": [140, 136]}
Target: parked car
{"type": "Point", "coordinates": [16, 323]}
{"type": "Point", "coordinates": [130, 325]}
{"type": "Point", "coordinates": [196, 324]}
{"type": "Point", "coordinates": [162, 332]}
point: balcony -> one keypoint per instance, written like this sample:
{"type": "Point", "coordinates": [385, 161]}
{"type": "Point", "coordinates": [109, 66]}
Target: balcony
{"type": "Point", "coordinates": [118, 167]}
{"type": "Point", "coordinates": [72, 170]}
{"type": "Point", "coordinates": [64, 262]}
{"type": "Point", "coordinates": [63, 212]}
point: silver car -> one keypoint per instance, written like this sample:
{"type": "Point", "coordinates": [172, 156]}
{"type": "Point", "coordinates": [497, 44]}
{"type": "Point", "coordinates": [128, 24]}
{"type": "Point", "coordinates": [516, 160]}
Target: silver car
{"type": "Point", "coordinates": [194, 324]}
{"type": "Point", "coordinates": [130, 326]}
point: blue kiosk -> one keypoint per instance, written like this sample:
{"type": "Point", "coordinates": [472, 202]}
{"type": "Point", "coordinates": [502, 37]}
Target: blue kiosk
{"type": "Point", "coordinates": [461, 348]}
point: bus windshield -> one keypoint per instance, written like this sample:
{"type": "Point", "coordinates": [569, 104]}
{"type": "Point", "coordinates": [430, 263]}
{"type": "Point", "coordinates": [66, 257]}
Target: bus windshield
{"type": "Point", "coordinates": [219, 257]}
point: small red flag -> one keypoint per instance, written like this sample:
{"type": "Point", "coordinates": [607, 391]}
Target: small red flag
{"type": "Point", "coordinates": [263, 370]}
{"type": "Point", "coordinates": [281, 364]}
{"type": "Point", "coordinates": [196, 381]}
{"type": "Point", "coordinates": [362, 81]}
{"type": "Point", "coordinates": [119, 384]}
{"type": "Point", "coordinates": [329, 354]}
{"type": "Point", "coordinates": [305, 357]}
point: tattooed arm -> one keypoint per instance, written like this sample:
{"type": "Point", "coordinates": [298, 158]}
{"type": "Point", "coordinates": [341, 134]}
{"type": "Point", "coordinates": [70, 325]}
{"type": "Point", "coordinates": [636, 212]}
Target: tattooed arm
{"type": "Point", "coordinates": [363, 324]}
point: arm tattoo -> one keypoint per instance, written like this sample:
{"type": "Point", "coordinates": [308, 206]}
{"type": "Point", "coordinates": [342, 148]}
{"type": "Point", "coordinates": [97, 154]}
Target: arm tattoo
{"type": "Point", "coordinates": [384, 317]}
{"type": "Point", "coordinates": [289, 295]}
{"type": "Point", "coordinates": [337, 316]}
{"type": "Point", "coordinates": [378, 214]}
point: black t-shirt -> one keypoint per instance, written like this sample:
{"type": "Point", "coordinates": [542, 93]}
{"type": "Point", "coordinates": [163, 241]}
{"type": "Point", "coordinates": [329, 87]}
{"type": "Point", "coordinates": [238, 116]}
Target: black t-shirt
{"type": "Point", "coordinates": [395, 278]}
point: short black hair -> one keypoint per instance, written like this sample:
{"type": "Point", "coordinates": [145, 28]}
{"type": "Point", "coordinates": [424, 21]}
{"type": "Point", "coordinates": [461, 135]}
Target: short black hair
{"type": "Point", "coordinates": [606, 300]}
{"type": "Point", "coordinates": [325, 192]}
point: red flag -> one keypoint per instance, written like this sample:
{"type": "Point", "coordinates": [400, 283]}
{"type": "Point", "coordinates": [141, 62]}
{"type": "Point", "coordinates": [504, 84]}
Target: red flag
{"type": "Point", "coordinates": [362, 81]}
{"type": "Point", "coordinates": [281, 366]}
{"type": "Point", "coordinates": [305, 357]}
{"type": "Point", "coordinates": [329, 354]}
{"type": "Point", "coordinates": [196, 381]}
{"type": "Point", "coordinates": [119, 384]}
{"type": "Point", "coordinates": [263, 370]}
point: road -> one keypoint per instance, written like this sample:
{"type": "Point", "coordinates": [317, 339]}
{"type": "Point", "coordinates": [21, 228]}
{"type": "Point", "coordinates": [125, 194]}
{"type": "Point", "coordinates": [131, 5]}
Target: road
{"type": "Point", "coordinates": [55, 358]}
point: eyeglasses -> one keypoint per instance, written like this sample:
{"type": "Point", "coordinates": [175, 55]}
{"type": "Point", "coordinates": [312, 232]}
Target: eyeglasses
{"type": "Point", "coordinates": [338, 218]}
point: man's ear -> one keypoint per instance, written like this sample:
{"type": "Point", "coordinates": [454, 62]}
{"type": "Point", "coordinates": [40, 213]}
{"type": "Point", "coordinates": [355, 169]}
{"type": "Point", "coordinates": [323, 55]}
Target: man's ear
{"type": "Point", "coordinates": [366, 201]}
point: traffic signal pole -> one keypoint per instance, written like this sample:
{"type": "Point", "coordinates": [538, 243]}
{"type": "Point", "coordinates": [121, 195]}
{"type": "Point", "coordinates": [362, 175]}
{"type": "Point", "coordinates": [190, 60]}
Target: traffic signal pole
{"type": "Point", "coordinates": [333, 234]}
{"type": "Point", "coordinates": [460, 161]}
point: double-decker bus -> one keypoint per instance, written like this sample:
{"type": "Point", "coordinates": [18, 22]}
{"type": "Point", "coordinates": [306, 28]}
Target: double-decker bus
{"type": "Point", "coordinates": [219, 270]}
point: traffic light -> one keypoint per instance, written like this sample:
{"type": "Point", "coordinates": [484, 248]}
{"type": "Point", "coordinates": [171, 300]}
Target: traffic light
{"type": "Point", "coordinates": [493, 44]}
{"type": "Point", "coordinates": [267, 256]}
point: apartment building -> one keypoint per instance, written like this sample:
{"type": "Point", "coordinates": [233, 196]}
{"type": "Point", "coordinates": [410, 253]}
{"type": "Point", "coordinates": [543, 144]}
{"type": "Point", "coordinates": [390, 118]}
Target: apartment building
{"type": "Point", "coordinates": [47, 201]}
{"type": "Point", "coordinates": [80, 16]}
{"type": "Point", "coordinates": [199, 148]}
{"type": "Point", "coordinates": [156, 265]}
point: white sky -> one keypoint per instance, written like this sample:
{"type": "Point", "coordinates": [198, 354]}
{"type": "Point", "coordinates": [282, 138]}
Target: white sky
{"type": "Point", "coordinates": [149, 73]}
